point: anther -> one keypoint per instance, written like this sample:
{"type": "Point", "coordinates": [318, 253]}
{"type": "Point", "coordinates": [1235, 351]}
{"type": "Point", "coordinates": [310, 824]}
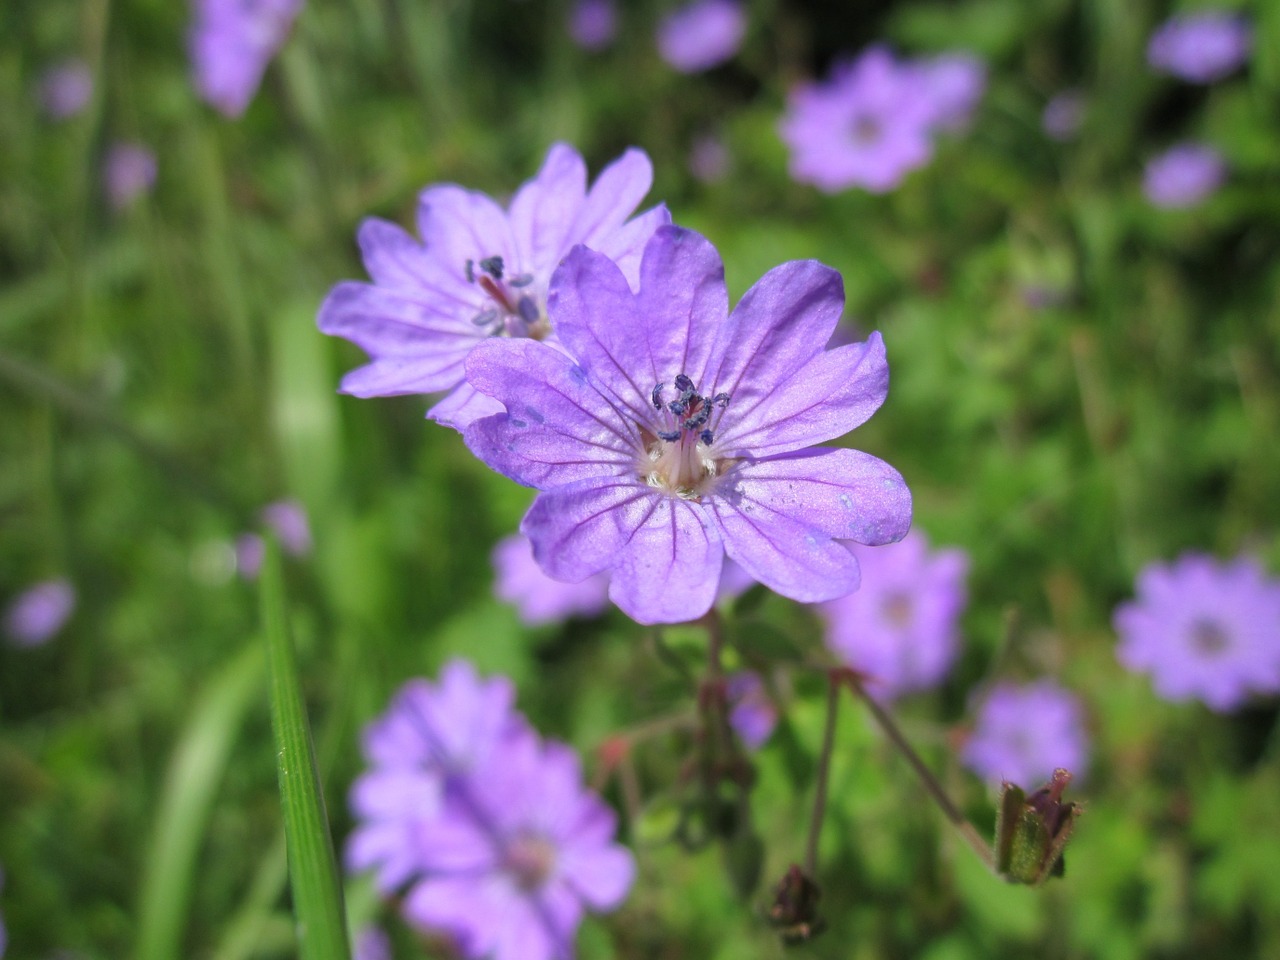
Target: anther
{"type": "Point", "coordinates": [656, 397]}
{"type": "Point", "coordinates": [492, 266]}
{"type": "Point", "coordinates": [470, 270]}
{"type": "Point", "coordinates": [671, 436]}
{"type": "Point", "coordinates": [527, 309]}
{"type": "Point", "coordinates": [521, 280]}
{"type": "Point", "coordinates": [706, 437]}
{"type": "Point", "coordinates": [684, 384]}
{"type": "Point", "coordinates": [720, 400]}
{"type": "Point", "coordinates": [485, 317]}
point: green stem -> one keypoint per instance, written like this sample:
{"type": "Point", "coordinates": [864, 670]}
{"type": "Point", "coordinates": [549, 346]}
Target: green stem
{"type": "Point", "coordinates": [824, 773]}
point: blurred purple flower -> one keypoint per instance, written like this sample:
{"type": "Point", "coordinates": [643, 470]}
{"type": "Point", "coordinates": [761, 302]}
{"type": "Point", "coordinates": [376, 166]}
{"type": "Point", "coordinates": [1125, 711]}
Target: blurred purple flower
{"type": "Point", "coordinates": [751, 713]}
{"type": "Point", "coordinates": [64, 89]}
{"type": "Point", "coordinates": [593, 24]}
{"type": "Point", "coordinates": [709, 158]}
{"type": "Point", "coordinates": [480, 273]}
{"type": "Point", "coordinates": [1201, 47]}
{"type": "Point", "coordinates": [230, 44]}
{"type": "Point", "coordinates": [372, 943]}
{"type": "Point", "coordinates": [128, 171]}
{"type": "Point", "coordinates": [901, 627]}
{"type": "Point", "coordinates": [702, 34]}
{"type": "Point", "coordinates": [1063, 115]}
{"type": "Point", "coordinates": [432, 737]}
{"type": "Point", "coordinates": [872, 122]}
{"type": "Point", "coordinates": [1024, 733]}
{"type": "Point", "coordinates": [504, 852]}
{"type": "Point", "coordinates": [682, 431]}
{"type": "Point", "coordinates": [287, 519]}
{"type": "Point", "coordinates": [950, 86]}
{"type": "Point", "coordinates": [1204, 630]}
{"type": "Point", "coordinates": [1183, 175]}
{"type": "Point", "coordinates": [36, 615]}
{"type": "Point", "coordinates": [250, 550]}
{"type": "Point", "coordinates": [538, 598]}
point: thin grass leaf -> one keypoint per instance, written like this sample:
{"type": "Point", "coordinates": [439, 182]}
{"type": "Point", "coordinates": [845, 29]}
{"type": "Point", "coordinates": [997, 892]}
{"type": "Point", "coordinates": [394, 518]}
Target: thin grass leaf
{"type": "Point", "coordinates": [313, 875]}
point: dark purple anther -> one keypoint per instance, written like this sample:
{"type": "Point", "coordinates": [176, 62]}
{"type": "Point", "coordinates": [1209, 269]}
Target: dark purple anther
{"type": "Point", "coordinates": [671, 436]}
{"type": "Point", "coordinates": [492, 266]}
{"type": "Point", "coordinates": [521, 280]}
{"type": "Point", "coordinates": [706, 437]}
{"type": "Point", "coordinates": [485, 317]}
{"type": "Point", "coordinates": [656, 397]}
{"type": "Point", "coordinates": [720, 400]}
{"type": "Point", "coordinates": [528, 310]}
{"type": "Point", "coordinates": [684, 384]}
{"type": "Point", "coordinates": [470, 270]}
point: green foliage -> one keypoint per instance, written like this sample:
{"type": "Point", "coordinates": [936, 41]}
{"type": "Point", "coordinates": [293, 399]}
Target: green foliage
{"type": "Point", "coordinates": [1081, 384]}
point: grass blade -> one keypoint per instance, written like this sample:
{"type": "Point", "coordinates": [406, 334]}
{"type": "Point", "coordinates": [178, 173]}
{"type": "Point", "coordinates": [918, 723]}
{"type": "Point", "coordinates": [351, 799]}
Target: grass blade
{"type": "Point", "coordinates": [313, 874]}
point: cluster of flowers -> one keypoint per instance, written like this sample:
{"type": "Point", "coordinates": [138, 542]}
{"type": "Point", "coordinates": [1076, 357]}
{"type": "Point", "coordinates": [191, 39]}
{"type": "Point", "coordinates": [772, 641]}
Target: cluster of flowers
{"type": "Point", "coordinates": [876, 117]}
{"type": "Point", "coordinates": [691, 38]}
{"type": "Point", "coordinates": [594, 358]}
{"type": "Point", "coordinates": [486, 828]}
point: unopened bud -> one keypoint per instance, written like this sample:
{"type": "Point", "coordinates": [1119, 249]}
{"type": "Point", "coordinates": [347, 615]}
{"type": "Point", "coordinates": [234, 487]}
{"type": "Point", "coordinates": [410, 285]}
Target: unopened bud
{"type": "Point", "coordinates": [1031, 831]}
{"type": "Point", "coordinates": [794, 913]}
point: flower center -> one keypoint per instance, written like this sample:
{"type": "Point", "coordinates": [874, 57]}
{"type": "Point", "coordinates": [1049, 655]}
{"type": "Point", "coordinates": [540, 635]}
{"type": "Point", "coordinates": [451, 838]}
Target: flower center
{"type": "Point", "coordinates": [678, 449]}
{"type": "Point", "coordinates": [508, 310]}
{"type": "Point", "coordinates": [530, 859]}
{"type": "Point", "coordinates": [897, 609]}
{"type": "Point", "coordinates": [865, 131]}
{"type": "Point", "coordinates": [1209, 638]}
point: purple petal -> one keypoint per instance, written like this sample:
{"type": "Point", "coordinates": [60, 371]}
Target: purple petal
{"type": "Point", "coordinates": [625, 246]}
{"type": "Point", "coordinates": [670, 571]}
{"type": "Point", "coordinates": [781, 323]}
{"type": "Point", "coordinates": [601, 876]}
{"type": "Point", "coordinates": [556, 428]}
{"type": "Point", "coordinates": [463, 407]}
{"type": "Point", "coordinates": [395, 259]}
{"type": "Point", "coordinates": [458, 225]}
{"type": "Point", "coordinates": [544, 209]}
{"type": "Point", "coordinates": [835, 392]}
{"type": "Point", "coordinates": [617, 191]}
{"type": "Point", "coordinates": [629, 344]}
{"type": "Point", "coordinates": [581, 528]}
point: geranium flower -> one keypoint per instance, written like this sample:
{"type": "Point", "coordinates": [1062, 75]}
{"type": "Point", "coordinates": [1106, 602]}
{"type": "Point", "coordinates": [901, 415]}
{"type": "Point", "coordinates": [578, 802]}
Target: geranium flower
{"type": "Point", "coordinates": [1183, 175]}
{"type": "Point", "coordinates": [37, 614]}
{"type": "Point", "coordinates": [490, 829]}
{"type": "Point", "coordinates": [900, 628]}
{"type": "Point", "coordinates": [480, 272]}
{"type": "Point", "coordinates": [681, 431]}
{"type": "Point", "coordinates": [872, 122]}
{"type": "Point", "coordinates": [65, 88]}
{"type": "Point", "coordinates": [1204, 629]}
{"type": "Point", "coordinates": [128, 171]}
{"type": "Point", "coordinates": [538, 598]}
{"type": "Point", "coordinates": [1201, 47]}
{"type": "Point", "coordinates": [1024, 733]}
{"type": "Point", "coordinates": [231, 42]}
{"type": "Point", "coordinates": [702, 34]}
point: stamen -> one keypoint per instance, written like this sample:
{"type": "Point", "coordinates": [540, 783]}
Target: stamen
{"type": "Point", "coordinates": [470, 270]}
{"type": "Point", "coordinates": [485, 317]}
{"type": "Point", "coordinates": [684, 384]}
{"type": "Point", "coordinates": [492, 266]}
{"type": "Point", "coordinates": [707, 437]}
{"type": "Point", "coordinates": [657, 396]}
{"type": "Point", "coordinates": [671, 436]}
{"type": "Point", "coordinates": [521, 280]}
{"type": "Point", "coordinates": [527, 309]}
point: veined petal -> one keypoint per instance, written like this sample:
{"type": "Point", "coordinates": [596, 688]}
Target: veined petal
{"type": "Point", "coordinates": [617, 191]}
{"type": "Point", "coordinates": [830, 395]}
{"type": "Point", "coordinates": [557, 428]}
{"type": "Point", "coordinates": [424, 372]}
{"type": "Point", "coordinates": [458, 225]}
{"type": "Point", "coordinates": [846, 494]}
{"type": "Point", "coordinates": [464, 405]}
{"type": "Point", "coordinates": [625, 246]}
{"type": "Point", "coordinates": [581, 528]}
{"type": "Point", "coordinates": [670, 569]}
{"type": "Point", "coordinates": [779, 325]}
{"type": "Point", "coordinates": [543, 211]}
{"type": "Point", "coordinates": [395, 259]}
{"type": "Point", "coordinates": [383, 320]}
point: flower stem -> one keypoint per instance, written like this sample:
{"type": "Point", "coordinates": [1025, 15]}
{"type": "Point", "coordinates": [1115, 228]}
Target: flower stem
{"type": "Point", "coordinates": [927, 779]}
{"type": "Point", "coordinates": [824, 772]}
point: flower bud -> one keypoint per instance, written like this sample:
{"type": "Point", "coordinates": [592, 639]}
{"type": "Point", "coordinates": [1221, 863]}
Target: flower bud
{"type": "Point", "coordinates": [1031, 831]}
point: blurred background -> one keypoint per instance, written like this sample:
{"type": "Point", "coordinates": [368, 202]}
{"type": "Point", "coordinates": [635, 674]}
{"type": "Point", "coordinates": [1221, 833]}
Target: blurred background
{"type": "Point", "coordinates": [1085, 380]}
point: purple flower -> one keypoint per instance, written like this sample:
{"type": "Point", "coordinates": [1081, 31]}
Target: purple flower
{"type": "Point", "coordinates": [1204, 630]}
{"type": "Point", "coordinates": [431, 739]}
{"type": "Point", "coordinates": [65, 88]}
{"type": "Point", "coordinates": [503, 852]}
{"type": "Point", "coordinates": [1183, 175]}
{"type": "Point", "coordinates": [1201, 47]}
{"type": "Point", "coordinates": [36, 615]}
{"type": "Point", "coordinates": [900, 628]}
{"type": "Point", "coordinates": [867, 126]}
{"type": "Point", "coordinates": [372, 944]}
{"type": "Point", "coordinates": [128, 172]}
{"type": "Point", "coordinates": [538, 597]}
{"type": "Point", "coordinates": [1024, 733]}
{"type": "Point", "coordinates": [709, 158]}
{"type": "Point", "coordinates": [593, 23]}
{"type": "Point", "coordinates": [751, 713]}
{"type": "Point", "coordinates": [681, 431]}
{"type": "Point", "coordinates": [230, 44]}
{"type": "Point", "coordinates": [949, 87]}
{"type": "Point", "coordinates": [702, 34]}
{"type": "Point", "coordinates": [1063, 115]}
{"type": "Point", "coordinates": [481, 272]}
{"type": "Point", "coordinates": [287, 519]}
